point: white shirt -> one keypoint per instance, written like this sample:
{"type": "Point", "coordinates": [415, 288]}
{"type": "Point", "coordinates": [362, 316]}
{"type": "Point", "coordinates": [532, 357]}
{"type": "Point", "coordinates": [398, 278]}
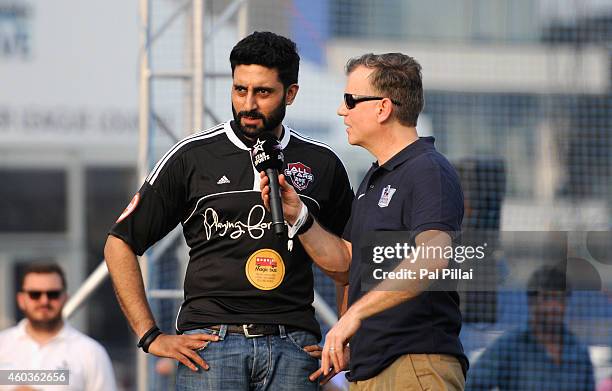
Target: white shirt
{"type": "Point", "coordinates": [88, 363]}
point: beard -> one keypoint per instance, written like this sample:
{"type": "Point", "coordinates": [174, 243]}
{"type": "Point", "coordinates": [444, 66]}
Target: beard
{"type": "Point", "coordinates": [46, 323]}
{"type": "Point", "coordinates": [269, 123]}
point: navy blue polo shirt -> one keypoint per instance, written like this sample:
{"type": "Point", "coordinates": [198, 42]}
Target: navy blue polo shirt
{"type": "Point", "coordinates": [416, 190]}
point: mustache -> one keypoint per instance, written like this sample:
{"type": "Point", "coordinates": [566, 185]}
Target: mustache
{"type": "Point", "coordinates": [251, 114]}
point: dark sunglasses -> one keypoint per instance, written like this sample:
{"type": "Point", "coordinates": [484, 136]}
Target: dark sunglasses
{"type": "Point", "coordinates": [51, 295]}
{"type": "Point", "coordinates": [351, 100]}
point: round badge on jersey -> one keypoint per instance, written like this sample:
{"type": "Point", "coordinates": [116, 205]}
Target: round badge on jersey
{"type": "Point", "coordinates": [130, 208]}
{"type": "Point", "coordinates": [265, 269]}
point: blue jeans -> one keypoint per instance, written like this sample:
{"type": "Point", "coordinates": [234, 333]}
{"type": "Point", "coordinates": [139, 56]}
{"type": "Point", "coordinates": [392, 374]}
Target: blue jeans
{"type": "Point", "coordinates": [237, 363]}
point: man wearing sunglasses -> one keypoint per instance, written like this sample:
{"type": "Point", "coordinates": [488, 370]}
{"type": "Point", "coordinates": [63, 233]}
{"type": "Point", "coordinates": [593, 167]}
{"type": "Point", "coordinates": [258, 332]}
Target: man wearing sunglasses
{"type": "Point", "coordinates": [43, 341]}
{"type": "Point", "coordinates": [404, 334]}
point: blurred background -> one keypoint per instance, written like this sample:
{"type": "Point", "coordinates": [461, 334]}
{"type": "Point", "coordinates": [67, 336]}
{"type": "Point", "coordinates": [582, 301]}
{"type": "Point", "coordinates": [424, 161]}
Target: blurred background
{"type": "Point", "coordinates": [518, 96]}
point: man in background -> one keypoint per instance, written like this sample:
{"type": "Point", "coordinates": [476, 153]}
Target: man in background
{"type": "Point", "coordinates": [542, 355]}
{"type": "Point", "coordinates": [43, 341]}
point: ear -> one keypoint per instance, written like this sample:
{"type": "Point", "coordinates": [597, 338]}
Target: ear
{"type": "Point", "coordinates": [384, 110]}
{"type": "Point", "coordinates": [291, 93]}
{"type": "Point", "coordinates": [21, 300]}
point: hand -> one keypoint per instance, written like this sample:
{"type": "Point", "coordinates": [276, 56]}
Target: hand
{"type": "Point", "coordinates": [292, 205]}
{"type": "Point", "coordinates": [334, 354]}
{"type": "Point", "coordinates": [182, 348]}
{"type": "Point", "coordinates": [316, 352]}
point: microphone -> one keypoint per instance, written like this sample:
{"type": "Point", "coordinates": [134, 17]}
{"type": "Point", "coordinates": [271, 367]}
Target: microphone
{"type": "Point", "coordinates": [267, 156]}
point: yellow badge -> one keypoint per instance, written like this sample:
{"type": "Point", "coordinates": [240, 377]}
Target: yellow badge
{"type": "Point", "coordinates": [265, 269]}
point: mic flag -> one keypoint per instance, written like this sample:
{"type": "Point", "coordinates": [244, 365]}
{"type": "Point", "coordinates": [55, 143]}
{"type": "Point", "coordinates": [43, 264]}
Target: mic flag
{"type": "Point", "coordinates": [267, 153]}
{"type": "Point", "coordinates": [267, 156]}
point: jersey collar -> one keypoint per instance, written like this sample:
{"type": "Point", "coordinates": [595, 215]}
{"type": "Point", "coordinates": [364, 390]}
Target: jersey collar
{"type": "Point", "coordinates": [238, 143]}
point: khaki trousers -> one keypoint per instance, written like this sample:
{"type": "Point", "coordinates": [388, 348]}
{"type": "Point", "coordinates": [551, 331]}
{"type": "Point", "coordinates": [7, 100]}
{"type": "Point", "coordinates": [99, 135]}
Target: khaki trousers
{"type": "Point", "coordinates": [417, 372]}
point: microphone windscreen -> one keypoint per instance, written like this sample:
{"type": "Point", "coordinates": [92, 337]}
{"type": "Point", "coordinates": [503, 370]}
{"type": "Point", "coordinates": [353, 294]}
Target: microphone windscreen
{"type": "Point", "coordinates": [267, 153]}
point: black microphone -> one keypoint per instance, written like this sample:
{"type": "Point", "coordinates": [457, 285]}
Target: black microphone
{"type": "Point", "coordinates": [267, 156]}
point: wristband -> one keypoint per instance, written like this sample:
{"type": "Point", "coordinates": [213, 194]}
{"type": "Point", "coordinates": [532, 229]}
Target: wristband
{"type": "Point", "coordinates": [302, 224]}
{"type": "Point", "coordinates": [299, 222]}
{"type": "Point", "coordinates": [148, 338]}
{"type": "Point", "coordinates": [306, 225]}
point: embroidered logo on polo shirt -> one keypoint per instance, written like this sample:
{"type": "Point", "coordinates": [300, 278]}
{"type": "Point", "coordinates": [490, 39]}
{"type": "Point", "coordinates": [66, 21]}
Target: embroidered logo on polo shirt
{"type": "Point", "coordinates": [300, 175]}
{"type": "Point", "coordinates": [385, 197]}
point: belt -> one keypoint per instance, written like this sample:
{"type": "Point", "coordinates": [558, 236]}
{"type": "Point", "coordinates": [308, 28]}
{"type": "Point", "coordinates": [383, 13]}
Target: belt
{"type": "Point", "coordinates": [254, 330]}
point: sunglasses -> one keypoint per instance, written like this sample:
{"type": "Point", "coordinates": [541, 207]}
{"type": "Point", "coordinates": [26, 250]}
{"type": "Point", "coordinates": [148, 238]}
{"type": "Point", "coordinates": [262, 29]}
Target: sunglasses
{"type": "Point", "coordinates": [51, 295]}
{"type": "Point", "coordinates": [351, 100]}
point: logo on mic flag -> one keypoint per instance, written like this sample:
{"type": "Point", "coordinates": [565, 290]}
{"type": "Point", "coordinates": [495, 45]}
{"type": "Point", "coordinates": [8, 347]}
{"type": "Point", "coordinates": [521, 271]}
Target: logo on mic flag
{"type": "Point", "coordinates": [267, 153]}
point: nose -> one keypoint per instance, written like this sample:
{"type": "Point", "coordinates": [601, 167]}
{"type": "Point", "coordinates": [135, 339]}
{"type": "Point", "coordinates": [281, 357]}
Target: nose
{"type": "Point", "coordinates": [44, 299]}
{"type": "Point", "coordinates": [250, 102]}
{"type": "Point", "coordinates": [342, 110]}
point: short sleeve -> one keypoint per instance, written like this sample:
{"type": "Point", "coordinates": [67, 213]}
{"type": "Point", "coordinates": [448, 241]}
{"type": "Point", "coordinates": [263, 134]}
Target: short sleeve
{"type": "Point", "coordinates": [336, 214]}
{"type": "Point", "coordinates": [437, 198]}
{"type": "Point", "coordinates": [346, 235]}
{"type": "Point", "coordinates": [155, 210]}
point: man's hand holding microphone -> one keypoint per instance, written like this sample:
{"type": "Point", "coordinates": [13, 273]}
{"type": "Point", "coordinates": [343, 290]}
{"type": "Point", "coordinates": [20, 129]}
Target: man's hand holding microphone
{"type": "Point", "coordinates": [278, 196]}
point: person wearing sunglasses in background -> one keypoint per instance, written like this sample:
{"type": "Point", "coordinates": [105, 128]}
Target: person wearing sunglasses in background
{"type": "Point", "coordinates": [402, 335]}
{"type": "Point", "coordinates": [43, 341]}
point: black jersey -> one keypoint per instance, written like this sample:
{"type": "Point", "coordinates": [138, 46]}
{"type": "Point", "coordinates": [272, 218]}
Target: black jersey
{"type": "Point", "coordinates": [239, 271]}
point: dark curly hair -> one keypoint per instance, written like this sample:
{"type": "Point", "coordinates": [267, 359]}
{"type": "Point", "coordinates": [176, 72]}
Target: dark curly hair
{"type": "Point", "coordinates": [271, 51]}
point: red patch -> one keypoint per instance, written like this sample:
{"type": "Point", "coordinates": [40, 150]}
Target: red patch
{"type": "Point", "coordinates": [263, 261]}
{"type": "Point", "coordinates": [130, 208]}
{"type": "Point", "coordinates": [300, 175]}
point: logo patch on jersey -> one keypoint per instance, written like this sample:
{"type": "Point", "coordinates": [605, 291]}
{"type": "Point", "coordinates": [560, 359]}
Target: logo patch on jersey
{"type": "Point", "coordinates": [223, 180]}
{"type": "Point", "coordinates": [386, 196]}
{"type": "Point", "coordinates": [300, 175]}
{"type": "Point", "coordinates": [265, 269]}
{"type": "Point", "coordinates": [130, 208]}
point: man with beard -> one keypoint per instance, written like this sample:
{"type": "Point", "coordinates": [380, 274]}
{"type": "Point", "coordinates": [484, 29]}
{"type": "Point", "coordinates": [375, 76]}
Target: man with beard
{"type": "Point", "coordinates": [247, 319]}
{"type": "Point", "coordinates": [42, 341]}
{"type": "Point", "coordinates": [544, 355]}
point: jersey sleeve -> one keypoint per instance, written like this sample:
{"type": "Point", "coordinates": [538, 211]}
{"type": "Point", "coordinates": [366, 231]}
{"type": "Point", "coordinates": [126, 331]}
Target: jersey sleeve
{"type": "Point", "coordinates": [155, 210]}
{"type": "Point", "coordinates": [346, 235]}
{"type": "Point", "coordinates": [338, 210]}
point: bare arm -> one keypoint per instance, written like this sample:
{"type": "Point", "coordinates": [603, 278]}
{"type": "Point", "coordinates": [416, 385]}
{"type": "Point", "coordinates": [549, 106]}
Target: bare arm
{"type": "Point", "coordinates": [342, 298]}
{"type": "Point", "coordinates": [129, 288]}
{"type": "Point", "coordinates": [330, 252]}
{"type": "Point", "coordinates": [128, 284]}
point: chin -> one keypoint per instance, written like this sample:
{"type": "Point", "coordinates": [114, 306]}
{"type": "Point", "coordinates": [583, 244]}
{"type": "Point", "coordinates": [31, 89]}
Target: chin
{"type": "Point", "coordinates": [352, 141]}
{"type": "Point", "coordinates": [250, 132]}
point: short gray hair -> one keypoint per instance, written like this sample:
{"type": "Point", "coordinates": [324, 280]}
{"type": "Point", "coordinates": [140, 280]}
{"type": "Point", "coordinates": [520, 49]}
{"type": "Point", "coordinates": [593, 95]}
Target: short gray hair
{"type": "Point", "coordinates": [398, 77]}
